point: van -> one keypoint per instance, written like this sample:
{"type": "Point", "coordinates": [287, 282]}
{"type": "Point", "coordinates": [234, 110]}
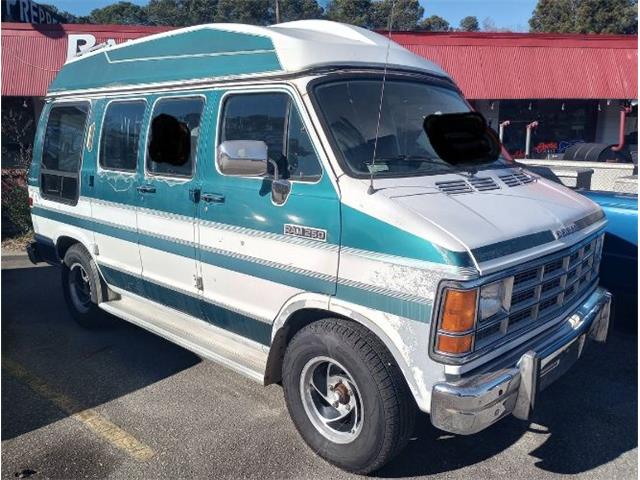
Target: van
{"type": "Point", "coordinates": [267, 198]}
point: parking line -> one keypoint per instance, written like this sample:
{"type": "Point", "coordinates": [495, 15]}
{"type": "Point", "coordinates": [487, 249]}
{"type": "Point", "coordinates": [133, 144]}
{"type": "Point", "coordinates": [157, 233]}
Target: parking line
{"type": "Point", "coordinates": [91, 419]}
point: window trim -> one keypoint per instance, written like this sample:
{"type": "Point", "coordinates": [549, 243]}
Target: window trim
{"type": "Point", "coordinates": [285, 89]}
{"type": "Point", "coordinates": [148, 173]}
{"type": "Point", "coordinates": [100, 167]}
{"type": "Point", "coordinates": [61, 173]}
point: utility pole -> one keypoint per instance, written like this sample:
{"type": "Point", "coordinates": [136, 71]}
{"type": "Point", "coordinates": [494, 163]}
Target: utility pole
{"type": "Point", "coordinates": [277, 11]}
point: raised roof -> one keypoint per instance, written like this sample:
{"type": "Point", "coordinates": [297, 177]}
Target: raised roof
{"type": "Point", "coordinates": [221, 51]}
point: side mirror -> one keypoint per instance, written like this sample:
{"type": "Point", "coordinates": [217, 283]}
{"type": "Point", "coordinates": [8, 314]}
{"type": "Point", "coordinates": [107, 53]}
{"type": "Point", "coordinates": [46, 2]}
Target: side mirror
{"type": "Point", "coordinates": [246, 158]}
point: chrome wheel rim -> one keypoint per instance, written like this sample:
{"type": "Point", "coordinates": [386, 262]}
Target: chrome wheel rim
{"type": "Point", "coordinates": [331, 399]}
{"type": "Point", "coordinates": [80, 288]}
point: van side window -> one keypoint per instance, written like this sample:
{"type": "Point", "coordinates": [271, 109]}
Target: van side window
{"type": "Point", "coordinates": [62, 151]}
{"type": "Point", "coordinates": [273, 118]}
{"type": "Point", "coordinates": [173, 136]}
{"type": "Point", "coordinates": [121, 134]}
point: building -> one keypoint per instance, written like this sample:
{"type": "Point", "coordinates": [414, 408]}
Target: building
{"type": "Point", "coordinates": [574, 86]}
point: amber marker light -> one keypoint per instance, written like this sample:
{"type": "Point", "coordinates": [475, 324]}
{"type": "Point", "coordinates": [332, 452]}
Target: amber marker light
{"type": "Point", "coordinates": [454, 345]}
{"type": "Point", "coordinates": [459, 311]}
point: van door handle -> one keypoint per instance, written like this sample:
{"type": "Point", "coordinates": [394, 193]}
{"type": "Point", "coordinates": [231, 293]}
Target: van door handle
{"type": "Point", "coordinates": [146, 189]}
{"type": "Point", "coordinates": [212, 197]}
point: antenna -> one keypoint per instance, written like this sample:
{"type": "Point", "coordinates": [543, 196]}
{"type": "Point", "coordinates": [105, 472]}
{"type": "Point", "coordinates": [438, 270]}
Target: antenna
{"type": "Point", "coordinates": [372, 190]}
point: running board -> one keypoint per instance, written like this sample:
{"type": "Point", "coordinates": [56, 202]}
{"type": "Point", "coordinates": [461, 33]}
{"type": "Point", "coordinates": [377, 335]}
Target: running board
{"type": "Point", "coordinates": [210, 342]}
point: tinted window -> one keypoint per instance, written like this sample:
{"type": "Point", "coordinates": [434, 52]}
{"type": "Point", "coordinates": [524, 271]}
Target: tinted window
{"type": "Point", "coordinates": [272, 118]}
{"type": "Point", "coordinates": [257, 117]}
{"type": "Point", "coordinates": [303, 163]}
{"type": "Point", "coordinates": [62, 151]}
{"type": "Point", "coordinates": [64, 138]}
{"type": "Point", "coordinates": [121, 135]}
{"type": "Point", "coordinates": [173, 136]}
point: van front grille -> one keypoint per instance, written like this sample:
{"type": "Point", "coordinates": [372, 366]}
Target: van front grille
{"type": "Point", "coordinates": [543, 290]}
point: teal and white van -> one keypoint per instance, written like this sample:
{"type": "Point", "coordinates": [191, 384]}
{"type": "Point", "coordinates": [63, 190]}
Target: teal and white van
{"type": "Point", "coordinates": [218, 186]}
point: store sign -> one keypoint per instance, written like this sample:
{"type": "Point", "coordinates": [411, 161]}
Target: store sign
{"type": "Point", "coordinates": [27, 11]}
{"type": "Point", "coordinates": [78, 43]}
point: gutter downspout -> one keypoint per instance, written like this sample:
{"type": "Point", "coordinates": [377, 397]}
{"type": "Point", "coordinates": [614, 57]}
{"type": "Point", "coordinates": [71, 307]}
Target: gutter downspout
{"type": "Point", "coordinates": [527, 148]}
{"type": "Point", "coordinates": [623, 119]}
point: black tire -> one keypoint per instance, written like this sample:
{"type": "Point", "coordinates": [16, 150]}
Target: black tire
{"type": "Point", "coordinates": [388, 408]}
{"type": "Point", "coordinates": [83, 303]}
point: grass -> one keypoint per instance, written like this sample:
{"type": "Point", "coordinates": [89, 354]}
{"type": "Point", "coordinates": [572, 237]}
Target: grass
{"type": "Point", "coordinates": [18, 243]}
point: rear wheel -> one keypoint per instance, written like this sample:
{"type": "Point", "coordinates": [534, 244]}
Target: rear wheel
{"type": "Point", "coordinates": [84, 289]}
{"type": "Point", "coordinates": [346, 395]}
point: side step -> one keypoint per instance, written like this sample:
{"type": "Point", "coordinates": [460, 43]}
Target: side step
{"type": "Point", "coordinates": [242, 355]}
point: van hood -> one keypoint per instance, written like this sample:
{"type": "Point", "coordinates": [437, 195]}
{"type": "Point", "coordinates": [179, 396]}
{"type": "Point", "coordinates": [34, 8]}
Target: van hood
{"type": "Point", "coordinates": [496, 217]}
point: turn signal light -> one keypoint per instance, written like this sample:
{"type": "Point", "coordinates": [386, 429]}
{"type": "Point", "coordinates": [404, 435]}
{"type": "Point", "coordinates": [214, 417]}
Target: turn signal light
{"type": "Point", "coordinates": [459, 310]}
{"type": "Point", "coordinates": [454, 345]}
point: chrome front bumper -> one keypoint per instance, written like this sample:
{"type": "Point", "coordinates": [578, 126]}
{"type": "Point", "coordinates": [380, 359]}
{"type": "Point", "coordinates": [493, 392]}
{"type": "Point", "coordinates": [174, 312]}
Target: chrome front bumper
{"type": "Point", "coordinates": [471, 404]}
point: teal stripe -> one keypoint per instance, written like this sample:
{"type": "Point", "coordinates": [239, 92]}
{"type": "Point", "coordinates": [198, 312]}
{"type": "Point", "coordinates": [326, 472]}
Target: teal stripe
{"type": "Point", "coordinates": [418, 311]}
{"type": "Point", "coordinates": [274, 274]}
{"type": "Point", "coordinates": [396, 306]}
{"type": "Point", "coordinates": [112, 231]}
{"type": "Point", "coordinates": [196, 307]}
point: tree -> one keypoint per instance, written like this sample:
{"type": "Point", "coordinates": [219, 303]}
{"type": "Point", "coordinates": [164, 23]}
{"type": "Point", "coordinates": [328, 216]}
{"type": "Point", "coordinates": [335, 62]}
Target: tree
{"type": "Point", "coordinates": [354, 12]}
{"type": "Point", "coordinates": [434, 23]}
{"type": "Point", "coordinates": [406, 14]}
{"type": "Point", "coordinates": [469, 24]}
{"type": "Point", "coordinates": [291, 10]}
{"type": "Point", "coordinates": [254, 12]}
{"type": "Point", "coordinates": [122, 13]}
{"type": "Point", "coordinates": [553, 16]}
{"type": "Point", "coordinates": [182, 13]}
{"type": "Point", "coordinates": [585, 16]}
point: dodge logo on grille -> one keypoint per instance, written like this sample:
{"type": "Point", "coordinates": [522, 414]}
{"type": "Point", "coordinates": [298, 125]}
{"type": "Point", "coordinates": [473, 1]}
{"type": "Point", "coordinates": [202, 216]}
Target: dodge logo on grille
{"type": "Point", "coordinates": [564, 231]}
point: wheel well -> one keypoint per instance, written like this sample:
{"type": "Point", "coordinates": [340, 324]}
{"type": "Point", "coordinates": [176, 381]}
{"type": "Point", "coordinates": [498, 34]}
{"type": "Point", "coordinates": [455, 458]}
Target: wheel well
{"type": "Point", "coordinates": [296, 322]}
{"type": "Point", "coordinates": [63, 244]}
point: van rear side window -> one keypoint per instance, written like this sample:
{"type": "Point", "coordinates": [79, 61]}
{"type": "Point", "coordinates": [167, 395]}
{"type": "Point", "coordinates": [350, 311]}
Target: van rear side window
{"type": "Point", "coordinates": [121, 134]}
{"type": "Point", "coordinates": [173, 136]}
{"type": "Point", "coordinates": [62, 152]}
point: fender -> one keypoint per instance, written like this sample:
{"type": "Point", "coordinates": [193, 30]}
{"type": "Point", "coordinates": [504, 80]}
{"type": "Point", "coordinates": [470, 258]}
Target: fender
{"type": "Point", "coordinates": [315, 306]}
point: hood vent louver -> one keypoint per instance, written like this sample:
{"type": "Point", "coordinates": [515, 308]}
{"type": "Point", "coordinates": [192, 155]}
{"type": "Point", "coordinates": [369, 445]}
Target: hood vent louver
{"type": "Point", "coordinates": [454, 187]}
{"type": "Point", "coordinates": [478, 184]}
{"type": "Point", "coordinates": [483, 183]}
{"type": "Point", "coordinates": [516, 179]}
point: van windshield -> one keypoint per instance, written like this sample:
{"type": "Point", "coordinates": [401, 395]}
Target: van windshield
{"type": "Point", "coordinates": [350, 108]}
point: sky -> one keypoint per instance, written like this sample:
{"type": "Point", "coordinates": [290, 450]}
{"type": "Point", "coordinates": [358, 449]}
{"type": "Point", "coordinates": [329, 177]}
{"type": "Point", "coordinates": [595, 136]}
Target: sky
{"type": "Point", "coordinates": [511, 14]}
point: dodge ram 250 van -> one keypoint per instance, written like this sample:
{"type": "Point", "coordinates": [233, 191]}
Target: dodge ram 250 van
{"type": "Point", "coordinates": [252, 195]}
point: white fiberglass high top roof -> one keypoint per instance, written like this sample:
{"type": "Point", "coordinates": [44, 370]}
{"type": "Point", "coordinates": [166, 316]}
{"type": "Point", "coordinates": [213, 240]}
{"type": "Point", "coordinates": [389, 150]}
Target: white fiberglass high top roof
{"type": "Point", "coordinates": [224, 51]}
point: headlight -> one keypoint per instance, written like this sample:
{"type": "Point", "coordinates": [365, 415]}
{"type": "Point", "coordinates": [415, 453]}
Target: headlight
{"type": "Point", "coordinates": [495, 297]}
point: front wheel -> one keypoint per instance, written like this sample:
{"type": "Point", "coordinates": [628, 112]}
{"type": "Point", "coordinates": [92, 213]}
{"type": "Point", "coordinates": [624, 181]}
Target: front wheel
{"type": "Point", "coordinates": [346, 395]}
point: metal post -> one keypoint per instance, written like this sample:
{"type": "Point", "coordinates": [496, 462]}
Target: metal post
{"type": "Point", "coordinates": [504, 124]}
{"type": "Point", "coordinates": [527, 148]}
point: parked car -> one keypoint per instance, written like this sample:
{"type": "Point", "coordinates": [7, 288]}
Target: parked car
{"type": "Point", "coordinates": [235, 192]}
{"type": "Point", "coordinates": [619, 269]}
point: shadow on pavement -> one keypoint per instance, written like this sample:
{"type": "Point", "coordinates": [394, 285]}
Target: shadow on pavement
{"type": "Point", "coordinates": [588, 418]}
{"type": "Point", "coordinates": [92, 367]}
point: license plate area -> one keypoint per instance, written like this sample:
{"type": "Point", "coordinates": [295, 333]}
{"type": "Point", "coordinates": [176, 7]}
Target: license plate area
{"type": "Point", "coordinates": [556, 365]}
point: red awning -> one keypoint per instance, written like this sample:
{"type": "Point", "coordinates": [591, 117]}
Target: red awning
{"type": "Point", "coordinates": [485, 65]}
{"type": "Point", "coordinates": [533, 66]}
{"type": "Point", "coordinates": [33, 54]}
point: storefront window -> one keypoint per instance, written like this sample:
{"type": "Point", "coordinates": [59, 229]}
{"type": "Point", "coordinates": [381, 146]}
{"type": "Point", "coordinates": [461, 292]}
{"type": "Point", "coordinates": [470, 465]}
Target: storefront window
{"type": "Point", "coordinates": [561, 123]}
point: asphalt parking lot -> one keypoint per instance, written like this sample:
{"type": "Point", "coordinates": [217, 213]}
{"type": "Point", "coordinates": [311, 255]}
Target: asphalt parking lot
{"type": "Point", "coordinates": [123, 403]}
